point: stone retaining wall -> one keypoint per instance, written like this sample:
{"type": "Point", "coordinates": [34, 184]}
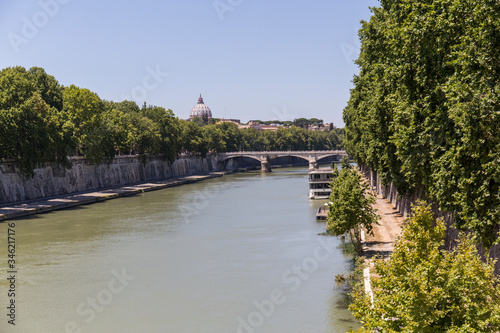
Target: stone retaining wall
{"type": "Point", "coordinates": [52, 180]}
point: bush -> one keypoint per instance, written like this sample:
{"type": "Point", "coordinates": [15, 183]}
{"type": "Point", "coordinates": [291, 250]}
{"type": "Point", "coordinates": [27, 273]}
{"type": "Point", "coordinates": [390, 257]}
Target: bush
{"type": "Point", "coordinates": [423, 288]}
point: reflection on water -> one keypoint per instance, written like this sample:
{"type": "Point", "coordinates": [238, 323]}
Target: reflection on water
{"type": "Point", "coordinates": [207, 257]}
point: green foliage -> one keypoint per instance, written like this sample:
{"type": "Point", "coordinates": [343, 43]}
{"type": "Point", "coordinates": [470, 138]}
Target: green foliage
{"type": "Point", "coordinates": [224, 137]}
{"type": "Point", "coordinates": [192, 139]}
{"type": "Point", "coordinates": [91, 131]}
{"type": "Point", "coordinates": [121, 127]}
{"type": "Point", "coordinates": [303, 122]}
{"type": "Point", "coordinates": [199, 121]}
{"type": "Point", "coordinates": [345, 164]}
{"type": "Point", "coordinates": [31, 126]}
{"type": "Point", "coordinates": [424, 109]}
{"type": "Point", "coordinates": [423, 288]}
{"type": "Point", "coordinates": [168, 129]}
{"type": "Point", "coordinates": [350, 207]}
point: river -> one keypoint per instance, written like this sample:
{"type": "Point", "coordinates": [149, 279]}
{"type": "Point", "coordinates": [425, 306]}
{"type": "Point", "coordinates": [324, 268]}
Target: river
{"type": "Point", "coordinates": [241, 253]}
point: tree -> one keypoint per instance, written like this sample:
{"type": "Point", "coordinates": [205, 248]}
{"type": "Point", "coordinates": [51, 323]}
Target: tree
{"type": "Point", "coordinates": [198, 121]}
{"type": "Point", "coordinates": [231, 135]}
{"type": "Point", "coordinates": [350, 206]}
{"type": "Point", "coordinates": [169, 130]}
{"type": "Point", "coordinates": [148, 138]}
{"type": "Point", "coordinates": [92, 134]}
{"type": "Point", "coordinates": [316, 121]}
{"type": "Point", "coordinates": [31, 127]}
{"type": "Point", "coordinates": [191, 138]}
{"type": "Point", "coordinates": [214, 138]}
{"type": "Point", "coordinates": [47, 86]}
{"type": "Point", "coordinates": [250, 138]}
{"type": "Point", "coordinates": [120, 118]}
{"type": "Point", "coordinates": [344, 163]}
{"type": "Point", "coordinates": [298, 138]}
{"type": "Point", "coordinates": [423, 288]}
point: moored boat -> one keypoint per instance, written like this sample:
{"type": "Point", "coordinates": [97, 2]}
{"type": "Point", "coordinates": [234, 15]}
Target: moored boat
{"type": "Point", "coordinates": [319, 183]}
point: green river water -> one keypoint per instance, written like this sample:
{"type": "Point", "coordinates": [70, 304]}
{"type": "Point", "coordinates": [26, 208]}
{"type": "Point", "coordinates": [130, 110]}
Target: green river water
{"type": "Point", "coordinates": [239, 253]}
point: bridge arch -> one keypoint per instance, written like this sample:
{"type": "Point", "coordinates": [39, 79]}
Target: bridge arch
{"type": "Point", "coordinates": [289, 155]}
{"type": "Point", "coordinates": [227, 158]}
{"type": "Point", "coordinates": [322, 157]}
{"type": "Point", "coordinates": [262, 160]}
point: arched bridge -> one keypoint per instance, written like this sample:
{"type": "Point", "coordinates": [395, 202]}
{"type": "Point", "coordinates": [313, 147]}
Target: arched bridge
{"type": "Point", "coordinates": [265, 157]}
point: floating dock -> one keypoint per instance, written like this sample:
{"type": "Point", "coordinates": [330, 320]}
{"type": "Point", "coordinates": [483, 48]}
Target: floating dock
{"type": "Point", "coordinates": [322, 213]}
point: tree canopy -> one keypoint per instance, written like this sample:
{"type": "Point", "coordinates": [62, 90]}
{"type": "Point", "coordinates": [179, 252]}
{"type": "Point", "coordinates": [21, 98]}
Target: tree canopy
{"type": "Point", "coordinates": [423, 288]}
{"type": "Point", "coordinates": [31, 126]}
{"type": "Point", "coordinates": [424, 111]}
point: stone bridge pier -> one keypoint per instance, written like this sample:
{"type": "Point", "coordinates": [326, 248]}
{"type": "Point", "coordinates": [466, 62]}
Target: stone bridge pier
{"type": "Point", "coordinates": [312, 164]}
{"type": "Point", "coordinates": [265, 165]}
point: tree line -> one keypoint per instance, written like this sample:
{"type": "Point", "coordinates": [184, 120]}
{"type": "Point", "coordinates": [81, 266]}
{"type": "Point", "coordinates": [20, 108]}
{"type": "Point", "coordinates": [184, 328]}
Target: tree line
{"type": "Point", "coordinates": [425, 109]}
{"type": "Point", "coordinates": [42, 121]}
{"type": "Point", "coordinates": [299, 122]}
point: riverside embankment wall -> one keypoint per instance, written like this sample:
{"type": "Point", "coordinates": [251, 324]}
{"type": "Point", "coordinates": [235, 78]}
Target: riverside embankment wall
{"type": "Point", "coordinates": [403, 205]}
{"type": "Point", "coordinates": [52, 180]}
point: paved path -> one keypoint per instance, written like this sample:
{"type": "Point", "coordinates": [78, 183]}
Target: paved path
{"type": "Point", "coordinates": [43, 205]}
{"type": "Point", "coordinates": [385, 234]}
{"type": "Point", "coordinates": [381, 243]}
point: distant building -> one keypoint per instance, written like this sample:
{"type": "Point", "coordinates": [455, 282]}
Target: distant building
{"type": "Point", "coordinates": [234, 121]}
{"type": "Point", "coordinates": [257, 125]}
{"type": "Point", "coordinates": [317, 128]}
{"type": "Point", "coordinates": [320, 127]}
{"type": "Point", "coordinates": [268, 128]}
{"type": "Point", "coordinates": [200, 110]}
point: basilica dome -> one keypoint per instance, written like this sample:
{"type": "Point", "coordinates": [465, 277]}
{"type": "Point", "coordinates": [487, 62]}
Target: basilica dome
{"type": "Point", "coordinates": [200, 110]}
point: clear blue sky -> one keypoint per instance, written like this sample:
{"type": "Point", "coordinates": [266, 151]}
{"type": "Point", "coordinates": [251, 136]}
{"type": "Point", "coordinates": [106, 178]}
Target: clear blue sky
{"type": "Point", "coordinates": [250, 59]}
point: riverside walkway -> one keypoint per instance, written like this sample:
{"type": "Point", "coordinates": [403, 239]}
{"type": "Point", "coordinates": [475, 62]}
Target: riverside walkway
{"type": "Point", "coordinates": [382, 242]}
{"type": "Point", "coordinates": [43, 205]}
